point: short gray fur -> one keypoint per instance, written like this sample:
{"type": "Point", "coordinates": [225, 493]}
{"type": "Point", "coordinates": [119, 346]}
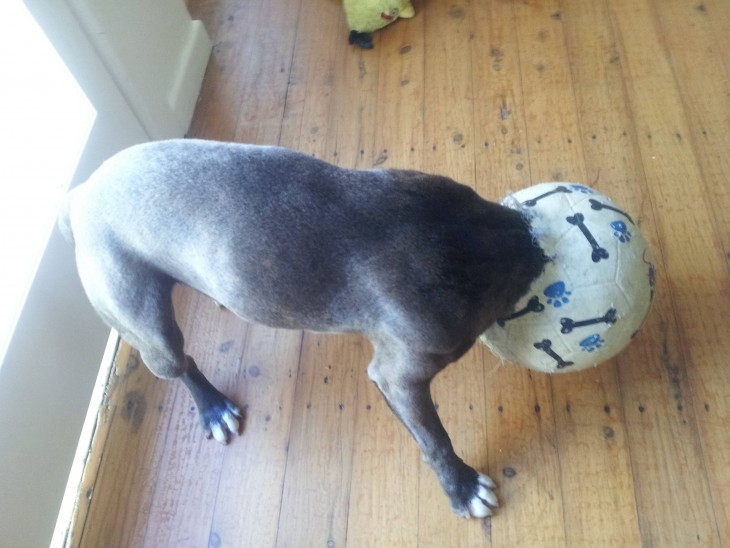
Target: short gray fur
{"type": "Point", "coordinates": [419, 264]}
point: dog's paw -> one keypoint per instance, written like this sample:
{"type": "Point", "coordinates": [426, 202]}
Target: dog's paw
{"type": "Point", "coordinates": [361, 39]}
{"type": "Point", "coordinates": [481, 503]}
{"type": "Point", "coordinates": [221, 420]}
{"type": "Point", "coordinates": [474, 495]}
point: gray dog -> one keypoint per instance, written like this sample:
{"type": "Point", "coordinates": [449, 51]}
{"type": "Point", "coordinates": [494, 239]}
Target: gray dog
{"type": "Point", "coordinates": [419, 264]}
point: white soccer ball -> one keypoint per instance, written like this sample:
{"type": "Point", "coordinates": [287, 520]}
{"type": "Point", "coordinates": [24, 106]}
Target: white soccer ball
{"type": "Point", "coordinates": [594, 293]}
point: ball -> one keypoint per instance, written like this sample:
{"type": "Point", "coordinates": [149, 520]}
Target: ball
{"type": "Point", "coordinates": [595, 291]}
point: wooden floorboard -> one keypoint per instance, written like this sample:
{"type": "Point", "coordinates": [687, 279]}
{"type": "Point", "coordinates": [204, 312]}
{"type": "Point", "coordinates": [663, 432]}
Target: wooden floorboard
{"type": "Point", "coordinates": [629, 96]}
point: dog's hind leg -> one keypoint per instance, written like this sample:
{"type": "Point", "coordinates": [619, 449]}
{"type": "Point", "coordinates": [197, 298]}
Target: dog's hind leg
{"type": "Point", "coordinates": [404, 379]}
{"type": "Point", "coordinates": [136, 300]}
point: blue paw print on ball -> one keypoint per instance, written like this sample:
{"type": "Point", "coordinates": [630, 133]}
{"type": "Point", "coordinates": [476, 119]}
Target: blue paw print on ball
{"type": "Point", "coordinates": [583, 189]}
{"type": "Point", "coordinates": [557, 294]}
{"type": "Point", "coordinates": [592, 343]}
{"type": "Point", "coordinates": [621, 231]}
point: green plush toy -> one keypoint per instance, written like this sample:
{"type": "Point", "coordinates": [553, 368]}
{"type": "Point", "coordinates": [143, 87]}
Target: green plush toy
{"type": "Point", "coordinates": [366, 16]}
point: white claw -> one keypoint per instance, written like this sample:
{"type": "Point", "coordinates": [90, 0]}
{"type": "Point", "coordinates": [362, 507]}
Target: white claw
{"type": "Point", "coordinates": [488, 496]}
{"type": "Point", "coordinates": [485, 490]}
{"type": "Point", "coordinates": [478, 509]}
{"type": "Point", "coordinates": [486, 481]}
{"type": "Point", "coordinates": [233, 409]}
{"type": "Point", "coordinates": [218, 433]}
{"type": "Point", "coordinates": [231, 422]}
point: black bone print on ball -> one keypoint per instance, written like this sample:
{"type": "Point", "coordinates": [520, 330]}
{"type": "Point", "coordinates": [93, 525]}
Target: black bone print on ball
{"type": "Point", "coordinates": [533, 305]}
{"type": "Point", "coordinates": [546, 345]}
{"type": "Point", "coordinates": [568, 324]}
{"type": "Point", "coordinates": [598, 252]}
{"type": "Point", "coordinates": [598, 206]}
{"type": "Point", "coordinates": [533, 202]}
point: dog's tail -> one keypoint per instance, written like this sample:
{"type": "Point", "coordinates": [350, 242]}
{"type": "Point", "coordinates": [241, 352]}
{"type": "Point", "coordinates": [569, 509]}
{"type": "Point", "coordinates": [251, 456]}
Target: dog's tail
{"type": "Point", "coordinates": [64, 219]}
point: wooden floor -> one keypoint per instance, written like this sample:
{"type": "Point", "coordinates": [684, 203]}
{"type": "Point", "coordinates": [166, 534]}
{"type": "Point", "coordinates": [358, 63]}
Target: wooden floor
{"type": "Point", "coordinates": [629, 96]}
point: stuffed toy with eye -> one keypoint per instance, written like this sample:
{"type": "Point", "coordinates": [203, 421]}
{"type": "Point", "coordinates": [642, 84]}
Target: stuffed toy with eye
{"type": "Point", "coordinates": [366, 16]}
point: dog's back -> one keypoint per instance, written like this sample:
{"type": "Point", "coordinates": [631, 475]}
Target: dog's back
{"type": "Point", "coordinates": [287, 240]}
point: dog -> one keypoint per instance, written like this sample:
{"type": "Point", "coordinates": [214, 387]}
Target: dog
{"type": "Point", "coordinates": [418, 263]}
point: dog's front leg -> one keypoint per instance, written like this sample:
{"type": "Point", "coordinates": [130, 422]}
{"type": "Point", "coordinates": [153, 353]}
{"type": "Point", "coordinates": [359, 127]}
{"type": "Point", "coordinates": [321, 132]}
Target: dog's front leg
{"type": "Point", "coordinates": [405, 385]}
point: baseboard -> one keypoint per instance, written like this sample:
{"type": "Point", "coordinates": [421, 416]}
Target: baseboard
{"type": "Point", "coordinates": [183, 95]}
{"type": "Point", "coordinates": [70, 497]}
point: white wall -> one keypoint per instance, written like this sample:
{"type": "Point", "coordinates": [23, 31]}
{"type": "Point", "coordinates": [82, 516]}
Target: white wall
{"type": "Point", "coordinates": [154, 52]}
{"type": "Point", "coordinates": [141, 64]}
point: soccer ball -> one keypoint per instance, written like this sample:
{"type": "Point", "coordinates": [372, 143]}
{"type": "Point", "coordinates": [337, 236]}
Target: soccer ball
{"type": "Point", "coordinates": [595, 291]}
